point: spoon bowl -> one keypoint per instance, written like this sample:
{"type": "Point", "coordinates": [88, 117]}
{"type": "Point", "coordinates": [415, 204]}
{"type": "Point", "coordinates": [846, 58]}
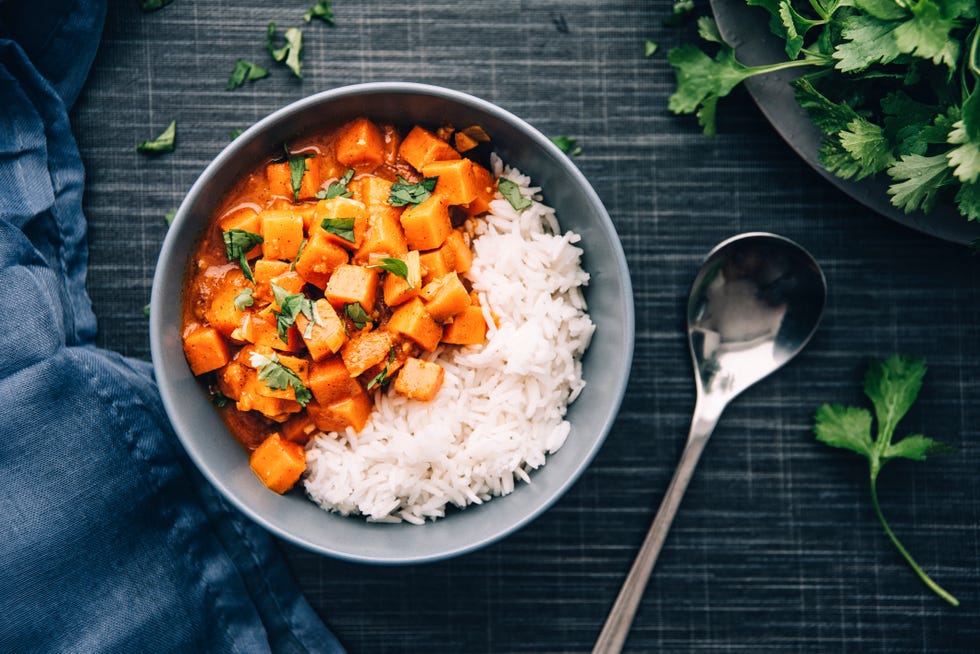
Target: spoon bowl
{"type": "Point", "coordinates": [755, 303]}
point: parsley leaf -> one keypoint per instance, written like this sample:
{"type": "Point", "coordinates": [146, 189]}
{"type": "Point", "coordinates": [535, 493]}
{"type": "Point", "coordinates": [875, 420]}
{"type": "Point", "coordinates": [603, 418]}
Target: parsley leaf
{"type": "Point", "coordinates": [403, 193]}
{"type": "Point", "coordinates": [342, 227]}
{"type": "Point", "coordinates": [338, 189]}
{"type": "Point", "coordinates": [162, 143]}
{"type": "Point", "coordinates": [245, 71]}
{"type": "Point", "coordinates": [244, 298]}
{"type": "Point", "coordinates": [238, 243]}
{"type": "Point", "coordinates": [235, 133]}
{"type": "Point", "coordinates": [320, 10]}
{"type": "Point", "coordinates": [292, 52]}
{"type": "Point", "coordinates": [297, 167]}
{"type": "Point", "coordinates": [278, 376]}
{"type": "Point", "coordinates": [291, 305]}
{"type": "Point", "coordinates": [649, 48]}
{"type": "Point", "coordinates": [169, 217]}
{"type": "Point", "coordinates": [382, 377]}
{"type": "Point", "coordinates": [356, 314]}
{"type": "Point", "coordinates": [395, 267]}
{"type": "Point", "coordinates": [567, 145]}
{"type": "Point", "coordinates": [892, 386]}
{"type": "Point", "coordinates": [512, 193]}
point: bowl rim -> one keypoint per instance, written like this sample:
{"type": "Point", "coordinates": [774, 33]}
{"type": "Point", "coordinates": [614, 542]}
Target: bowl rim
{"type": "Point", "coordinates": [169, 251]}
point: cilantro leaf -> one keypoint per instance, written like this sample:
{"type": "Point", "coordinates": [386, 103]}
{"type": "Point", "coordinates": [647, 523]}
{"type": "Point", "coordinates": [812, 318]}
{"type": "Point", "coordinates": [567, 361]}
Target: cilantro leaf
{"type": "Point", "coordinates": [297, 167]}
{"type": "Point", "coordinates": [245, 71]}
{"type": "Point", "coordinates": [162, 143]}
{"type": "Point", "coordinates": [235, 133]}
{"type": "Point", "coordinates": [291, 53]}
{"type": "Point", "coordinates": [403, 193]}
{"type": "Point", "coordinates": [169, 217]}
{"type": "Point", "coordinates": [926, 34]}
{"type": "Point", "coordinates": [892, 386]}
{"type": "Point", "coordinates": [382, 377]}
{"type": "Point", "coordinates": [567, 145]}
{"type": "Point", "coordinates": [238, 242]}
{"type": "Point", "coordinates": [244, 298]}
{"type": "Point", "coordinates": [146, 310]}
{"type": "Point", "coordinates": [680, 13]}
{"type": "Point", "coordinates": [512, 193]}
{"type": "Point", "coordinates": [278, 376]}
{"type": "Point", "coordinates": [867, 145]}
{"type": "Point", "coordinates": [395, 267]}
{"type": "Point", "coordinates": [342, 227]}
{"type": "Point", "coordinates": [649, 48]}
{"type": "Point", "coordinates": [968, 200]}
{"type": "Point", "coordinates": [339, 188]}
{"type": "Point", "coordinates": [320, 10]}
{"type": "Point", "coordinates": [918, 180]}
{"type": "Point", "coordinates": [291, 305]}
{"type": "Point", "coordinates": [356, 314]}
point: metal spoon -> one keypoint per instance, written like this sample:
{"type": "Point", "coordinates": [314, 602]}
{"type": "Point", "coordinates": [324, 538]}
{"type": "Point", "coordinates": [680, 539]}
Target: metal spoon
{"type": "Point", "coordinates": [754, 304]}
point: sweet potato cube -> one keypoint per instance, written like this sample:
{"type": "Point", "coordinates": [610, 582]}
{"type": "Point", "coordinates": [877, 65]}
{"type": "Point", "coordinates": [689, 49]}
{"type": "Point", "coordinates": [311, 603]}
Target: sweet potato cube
{"type": "Point", "coordinates": [282, 234]}
{"type": "Point", "coordinates": [485, 191]}
{"type": "Point", "coordinates": [349, 412]}
{"type": "Point", "coordinates": [298, 429]}
{"type": "Point", "coordinates": [260, 329]}
{"type": "Point", "coordinates": [397, 290]}
{"type": "Point", "coordinates": [436, 263]}
{"type": "Point", "coordinates": [341, 209]}
{"type": "Point", "coordinates": [289, 281]}
{"type": "Point", "coordinates": [221, 312]}
{"type": "Point", "coordinates": [349, 284]}
{"type": "Point", "coordinates": [298, 365]}
{"type": "Point", "coordinates": [421, 147]}
{"type": "Point", "coordinates": [247, 220]}
{"type": "Point", "coordinates": [412, 321]}
{"type": "Point", "coordinates": [459, 249]}
{"type": "Point", "coordinates": [326, 335]}
{"type": "Point", "coordinates": [360, 143]}
{"type": "Point", "coordinates": [365, 349]}
{"type": "Point", "coordinates": [205, 350]}
{"type": "Point", "coordinates": [419, 380]}
{"type": "Point", "coordinates": [251, 398]}
{"type": "Point", "coordinates": [374, 192]}
{"type": "Point", "coordinates": [264, 271]}
{"type": "Point", "coordinates": [319, 258]}
{"type": "Point", "coordinates": [384, 238]}
{"type": "Point", "coordinates": [427, 224]}
{"type": "Point", "coordinates": [445, 297]}
{"type": "Point", "coordinates": [329, 381]}
{"type": "Point", "coordinates": [278, 463]}
{"type": "Point", "coordinates": [467, 328]}
{"type": "Point", "coordinates": [457, 183]}
{"type": "Point", "coordinates": [280, 180]}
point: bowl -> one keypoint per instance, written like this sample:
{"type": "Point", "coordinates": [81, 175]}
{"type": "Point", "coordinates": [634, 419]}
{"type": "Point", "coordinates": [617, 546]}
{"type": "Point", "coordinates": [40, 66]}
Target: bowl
{"type": "Point", "coordinates": [606, 364]}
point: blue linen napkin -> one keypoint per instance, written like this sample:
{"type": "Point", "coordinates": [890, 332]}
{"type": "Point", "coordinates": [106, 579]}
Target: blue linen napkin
{"type": "Point", "coordinates": [109, 538]}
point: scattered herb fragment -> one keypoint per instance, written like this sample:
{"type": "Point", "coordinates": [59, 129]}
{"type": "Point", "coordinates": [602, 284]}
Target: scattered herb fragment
{"type": "Point", "coordinates": [342, 227]}
{"type": "Point", "coordinates": [153, 5]}
{"type": "Point", "coordinates": [892, 387]}
{"type": "Point", "coordinates": [169, 217]}
{"type": "Point", "coordinates": [649, 48]}
{"type": "Point", "coordinates": [320, 10]}
{"type": "Point", "coordinates": [297, 166]}
{"type": "Point", "coordinates": [245, 71]}
{"type": "Point", "coordinates": [356, 314]}
{"type": "Point", "coordinates": [680, 13]}
{"type": "Point", "coordinates": [403, 193]}
{"type": "Point", "coordinates": [291, 305]}
{"type": "Point", "coordinates": [291, 53]}
{"type": "Point", "coordinates": [238, 243]}
{"type": "Point", "coordinates": [219, 399]}
{"type": "Point", "coordinates": [244, 298]}
{"type": "Point", "coordinates": [235, 133]}
{"type": "Point", "coordinates": [567, 145]}
{"type": "Point", "coordinates": [146, 311]}
{"type": "Point", "coordinates": [382, 377]}
{"type": "Point", "coordinates": [337, 189]}
{"type": "Point", "coordinates": [162, 143]}
{"type": "Point", "coordinates": [278, 376]}
{"type": "Point", "coordinates": [395, 267]}
{"type": "Point", "coordinates": [299, 253]}
{"type": "Point", "coordinates": [512, 192]}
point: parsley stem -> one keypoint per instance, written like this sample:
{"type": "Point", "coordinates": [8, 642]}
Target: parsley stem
{"type": "Point", "coordinates": [796, 63]}
{"type": "Point", "coordinates": [936, 588]}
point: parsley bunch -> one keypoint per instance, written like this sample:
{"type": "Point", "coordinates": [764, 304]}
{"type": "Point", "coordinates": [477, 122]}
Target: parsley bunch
{"type": "Point", "coordinates": [893, 88]}
{"type": "Point", "coordinates": [892, 387]}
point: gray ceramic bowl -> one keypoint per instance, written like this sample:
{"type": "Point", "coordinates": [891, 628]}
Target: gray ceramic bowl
{"type": "Point", "coordinates": [606, 364]}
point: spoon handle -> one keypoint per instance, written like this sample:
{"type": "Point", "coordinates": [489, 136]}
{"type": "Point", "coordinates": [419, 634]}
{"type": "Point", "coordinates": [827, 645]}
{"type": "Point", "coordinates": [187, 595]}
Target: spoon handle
{"type": "Point", "coordinates": [620, 618]}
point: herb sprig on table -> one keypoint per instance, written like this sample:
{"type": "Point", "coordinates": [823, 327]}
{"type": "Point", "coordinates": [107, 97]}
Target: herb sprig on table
{"type": "Point", "coordinates": [892, 84]}
{"type": "Point", "coordinates": [892, 387]}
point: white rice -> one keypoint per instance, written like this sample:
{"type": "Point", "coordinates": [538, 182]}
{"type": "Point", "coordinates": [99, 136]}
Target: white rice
{"type": "Point", "coordinates": [501, 408]}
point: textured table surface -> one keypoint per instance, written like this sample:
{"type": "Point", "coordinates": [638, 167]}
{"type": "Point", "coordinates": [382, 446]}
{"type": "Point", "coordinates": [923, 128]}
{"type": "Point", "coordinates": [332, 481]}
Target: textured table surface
{"type": "Point", "coordinates": [776, 547]}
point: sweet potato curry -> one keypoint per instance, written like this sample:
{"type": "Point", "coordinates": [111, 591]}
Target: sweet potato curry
{"type": "Point", "coordinates": [324, 277]}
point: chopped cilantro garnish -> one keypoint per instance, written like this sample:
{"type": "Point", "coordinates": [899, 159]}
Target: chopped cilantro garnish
{"type": "Point", "coordinates": [649, 48]}
{"type": "Point", "coordinates": [278, 376]}
{"type": "Point", "coordinates": [235, 133]}
{"type": "Point", "coordinates": [382, 377]}
{"type": "Point", "coordinates": [219, 399]}
{"type": "Point", "coordinates": [291, 305]}
{"type": "Point", "coordinates": [356, 314]}
{"type": "Point", "coordinates": [320, 10]}
{"type": "Point", "coordinates": [244, 298]}
{"type": "Point", "coordinates": [567, 145]}
{"type": "Point", "coordinates": [395, 267]}
{"type": "Point", "coordinates": [162, 143]}
{"type": "Point", "coordinates": [238, 242]}
{"type": "Point", "coordinates": [292, 52]}
{"type": "Point", "coordinates": [169, 217]}
{"type": "Point", "coordinates": [342, 227]}
{"type": "Point", "coordinates": [512, 193]}
{"type": "Point", "coordinates": [297, 167]}
{"type": "Point", "coordinates": [337, 189]}
{"type": "Point", "coordinates": [146, 311]}
{"type": "Point", "coordinates": [403, 193]}
{"type": "Point", "coordinates": [245, 71]}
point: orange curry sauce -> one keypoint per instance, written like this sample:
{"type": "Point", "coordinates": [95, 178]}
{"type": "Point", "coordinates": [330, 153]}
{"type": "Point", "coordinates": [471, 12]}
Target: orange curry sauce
{"type": "Point", "coordinates": [369, 280]}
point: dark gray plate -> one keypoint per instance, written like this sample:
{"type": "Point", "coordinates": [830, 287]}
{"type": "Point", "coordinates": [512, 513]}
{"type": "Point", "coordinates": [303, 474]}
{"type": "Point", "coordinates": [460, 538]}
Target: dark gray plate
{"type": "Point", "coordinates": [747, 29]}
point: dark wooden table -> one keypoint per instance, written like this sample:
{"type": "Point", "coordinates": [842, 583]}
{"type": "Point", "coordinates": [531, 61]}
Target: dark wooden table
{"type": "Point", "coordinates": [776, 547]}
